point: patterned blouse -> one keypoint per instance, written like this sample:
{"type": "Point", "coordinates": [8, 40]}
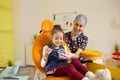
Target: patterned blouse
{"type": "Point", "coordinates": [80, 42]}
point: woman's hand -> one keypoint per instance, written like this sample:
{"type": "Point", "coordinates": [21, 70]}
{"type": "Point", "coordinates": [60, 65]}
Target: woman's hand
{"type": "Point", "coordinates": [78, 52]}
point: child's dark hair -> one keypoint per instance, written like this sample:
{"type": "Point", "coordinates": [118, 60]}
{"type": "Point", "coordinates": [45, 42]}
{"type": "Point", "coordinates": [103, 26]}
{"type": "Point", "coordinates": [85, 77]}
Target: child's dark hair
{"type": "Point", "coordinates": [56, 28]}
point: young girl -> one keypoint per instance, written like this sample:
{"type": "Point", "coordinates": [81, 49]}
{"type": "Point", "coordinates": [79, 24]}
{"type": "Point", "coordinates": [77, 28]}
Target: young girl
{"type": "Point", "coordinates": [56, 60]}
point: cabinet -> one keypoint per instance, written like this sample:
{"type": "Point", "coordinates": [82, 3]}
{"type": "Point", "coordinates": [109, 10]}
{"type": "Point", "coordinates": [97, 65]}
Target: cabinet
{"type": "Point", "coordinates": [28, 56]}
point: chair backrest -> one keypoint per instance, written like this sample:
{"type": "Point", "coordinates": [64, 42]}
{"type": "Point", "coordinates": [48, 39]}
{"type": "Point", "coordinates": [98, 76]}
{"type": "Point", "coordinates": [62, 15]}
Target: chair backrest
{"type": "Point", "coordinates": [42, 40]}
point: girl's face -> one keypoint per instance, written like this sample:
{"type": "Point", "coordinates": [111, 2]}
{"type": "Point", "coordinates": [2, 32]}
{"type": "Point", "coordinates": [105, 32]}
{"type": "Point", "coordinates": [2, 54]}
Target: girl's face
{"type": "Point", "coordinates": [78, 27]}
{"type": "Point", "coordinates": [57, 39]}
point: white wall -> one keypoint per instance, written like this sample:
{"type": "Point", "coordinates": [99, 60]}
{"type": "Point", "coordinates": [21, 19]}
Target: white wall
{"type": "Point", "coordinates": [28, 15]}
{"type": "Point", "coordinates": [17, 31]}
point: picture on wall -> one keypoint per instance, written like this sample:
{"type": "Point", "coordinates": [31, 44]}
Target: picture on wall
{"type": "Point", "coordinates": [65, 20]}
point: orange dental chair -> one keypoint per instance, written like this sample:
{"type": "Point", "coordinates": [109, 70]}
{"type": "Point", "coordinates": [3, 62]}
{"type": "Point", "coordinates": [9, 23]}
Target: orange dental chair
{"type": "Point", "coordinates": [42, 40]}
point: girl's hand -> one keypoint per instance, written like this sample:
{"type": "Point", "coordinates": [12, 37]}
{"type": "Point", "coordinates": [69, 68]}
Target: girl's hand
{"type": "Point", "coordinates": [67, 55]}
{"type": "Point", "coordinates": [47, 52]}
{"type": "Point", "coordinates": [70, 55]}
{"type": "Point", "coordinates": [63, 56]}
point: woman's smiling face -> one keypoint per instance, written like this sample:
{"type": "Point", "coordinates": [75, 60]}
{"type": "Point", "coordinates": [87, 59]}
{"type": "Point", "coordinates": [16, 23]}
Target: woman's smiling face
{"type": "Point", "coordinates": [78, 27]}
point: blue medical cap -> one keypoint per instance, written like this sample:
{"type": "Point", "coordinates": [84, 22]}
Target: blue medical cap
{"type": "Point", "coordinates": [82, 18]}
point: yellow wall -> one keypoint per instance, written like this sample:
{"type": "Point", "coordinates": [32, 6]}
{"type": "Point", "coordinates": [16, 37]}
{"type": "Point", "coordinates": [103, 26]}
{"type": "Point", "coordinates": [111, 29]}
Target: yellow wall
{"type": "Point", "coordinates": [6, 32]}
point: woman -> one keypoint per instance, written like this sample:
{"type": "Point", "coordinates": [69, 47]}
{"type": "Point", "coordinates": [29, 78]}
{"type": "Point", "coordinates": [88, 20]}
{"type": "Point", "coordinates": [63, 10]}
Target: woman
{"type": "Point", "coordinates": [76, 39]}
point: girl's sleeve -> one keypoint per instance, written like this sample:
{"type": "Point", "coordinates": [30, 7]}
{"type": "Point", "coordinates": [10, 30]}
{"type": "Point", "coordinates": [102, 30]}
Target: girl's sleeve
{"type": "Point", "coordinates": [43, 61]}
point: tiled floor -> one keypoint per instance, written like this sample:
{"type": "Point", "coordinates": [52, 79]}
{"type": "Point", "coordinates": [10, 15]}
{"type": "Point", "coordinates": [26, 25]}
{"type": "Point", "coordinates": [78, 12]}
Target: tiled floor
{"type": "Point", "coordinates": [30, 71]}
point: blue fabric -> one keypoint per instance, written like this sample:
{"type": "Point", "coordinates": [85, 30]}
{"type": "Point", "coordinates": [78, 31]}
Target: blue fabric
{"type": "Point", "coordinates": [53, 61]}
